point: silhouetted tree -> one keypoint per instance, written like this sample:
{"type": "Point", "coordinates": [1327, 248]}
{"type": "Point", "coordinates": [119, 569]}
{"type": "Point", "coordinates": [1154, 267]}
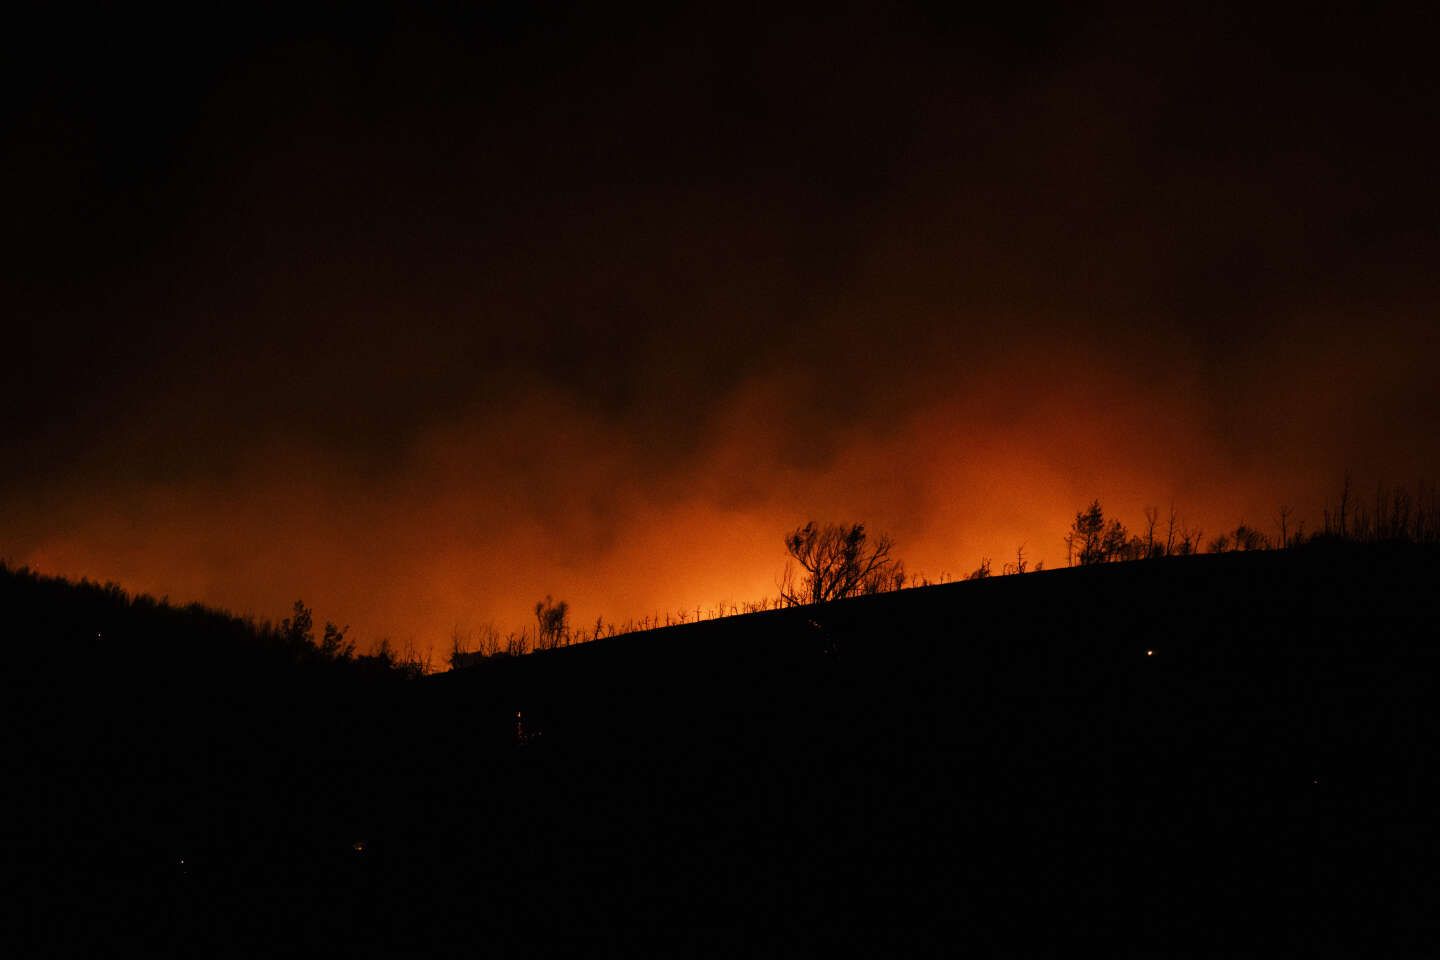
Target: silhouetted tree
{"type": "Point", "coordinates": [1189, 542]}
{"type": "Point", "coordinates": [334, 646]}
{"type": "Point", "coordinates": [1248, 538]}
{"type": "Point", "coordinates": [884, 579]}
{"type": "Point", "coordinates": [383, 657]}
{"type": "Point", "coordinates": [1020, 565]}
{"type": "Point", "coordinates": [297, 630]}
{"type": "Point", "coordinates": [1092, 540]}
{"type": "Point", "coordinates": [838, 561]}
{"type": "Point", "coordinates": [297, 634]}
{"type": "Point", "coordinates": [517, 644]}
{"type": "Point", "coordinates": [1242, 538]}
{"type": "Point", "coordinates": [550, 617]}
{"type": "Point", "coordinates": [1337, 524]}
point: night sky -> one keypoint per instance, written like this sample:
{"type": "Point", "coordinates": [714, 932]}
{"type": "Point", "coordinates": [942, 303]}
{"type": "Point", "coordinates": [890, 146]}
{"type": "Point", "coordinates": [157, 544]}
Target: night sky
{"type": "Point", "coordinates": [422, 317]}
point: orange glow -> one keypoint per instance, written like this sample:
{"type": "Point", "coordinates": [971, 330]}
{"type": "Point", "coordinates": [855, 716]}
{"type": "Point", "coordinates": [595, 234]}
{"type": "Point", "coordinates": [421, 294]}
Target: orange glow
{"type": "Point", "coordinates": [604, 316]}
{"type": "Point", "coordinates": [483, 518]}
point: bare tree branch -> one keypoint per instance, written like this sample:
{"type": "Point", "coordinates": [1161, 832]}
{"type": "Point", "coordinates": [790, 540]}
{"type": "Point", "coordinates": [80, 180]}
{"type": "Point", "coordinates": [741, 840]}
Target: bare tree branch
{"type": "Point", "coordinates": [838, 561]}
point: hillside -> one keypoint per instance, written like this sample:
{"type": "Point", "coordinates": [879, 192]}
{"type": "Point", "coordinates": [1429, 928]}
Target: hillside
{"type": "Point", "coordinates": [1175, 755]}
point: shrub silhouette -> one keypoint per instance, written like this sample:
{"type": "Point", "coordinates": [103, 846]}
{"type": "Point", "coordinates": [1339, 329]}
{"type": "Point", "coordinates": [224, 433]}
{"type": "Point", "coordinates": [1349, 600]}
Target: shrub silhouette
{"type": "Point", "coordinates": [297, 631]}
{"type": "Point", "coordinates": [1242, 539]}
{"type": "Point", "coordinates": [1091, 540]}
{"type": "Point", "coordinates": [838, 561]}
{"type": "Point", "coordinates": [334, 646]}
{"type": "Point", "coordinates": [297, 634]}
{"type": "Point", "coordinates": [552, 630]}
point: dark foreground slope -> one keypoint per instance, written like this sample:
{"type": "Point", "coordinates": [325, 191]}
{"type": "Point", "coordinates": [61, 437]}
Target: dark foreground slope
{"type": "Point", "coordinates": [1211, 754]}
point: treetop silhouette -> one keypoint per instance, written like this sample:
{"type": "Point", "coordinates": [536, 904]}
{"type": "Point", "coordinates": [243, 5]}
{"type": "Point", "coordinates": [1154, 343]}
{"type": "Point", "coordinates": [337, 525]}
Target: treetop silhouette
{"type": "Point", "coordinates": [838, 561]}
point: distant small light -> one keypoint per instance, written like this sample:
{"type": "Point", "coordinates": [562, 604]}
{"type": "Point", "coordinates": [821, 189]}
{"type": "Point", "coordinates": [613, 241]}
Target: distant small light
{"type": "Point", "coordinates": [1316, 780]}
{"type": "Point", "coordinates": [358, 846]}
{"type": "Point", "coordinates": [1149, 653]}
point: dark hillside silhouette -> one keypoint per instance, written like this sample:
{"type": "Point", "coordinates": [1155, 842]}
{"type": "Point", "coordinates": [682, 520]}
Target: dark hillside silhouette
{"type": "Point", "coordinates": [1152, 755]}
{"type": "Point", "coordinates": [140, 733]}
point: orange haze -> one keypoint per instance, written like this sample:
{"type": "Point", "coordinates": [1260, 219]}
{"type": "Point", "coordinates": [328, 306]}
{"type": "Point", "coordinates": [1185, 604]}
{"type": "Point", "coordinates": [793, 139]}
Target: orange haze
{"type": "Point", "coordinates": [423, 319]}
{"type": "Point", "coordinates": [488, 513]}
